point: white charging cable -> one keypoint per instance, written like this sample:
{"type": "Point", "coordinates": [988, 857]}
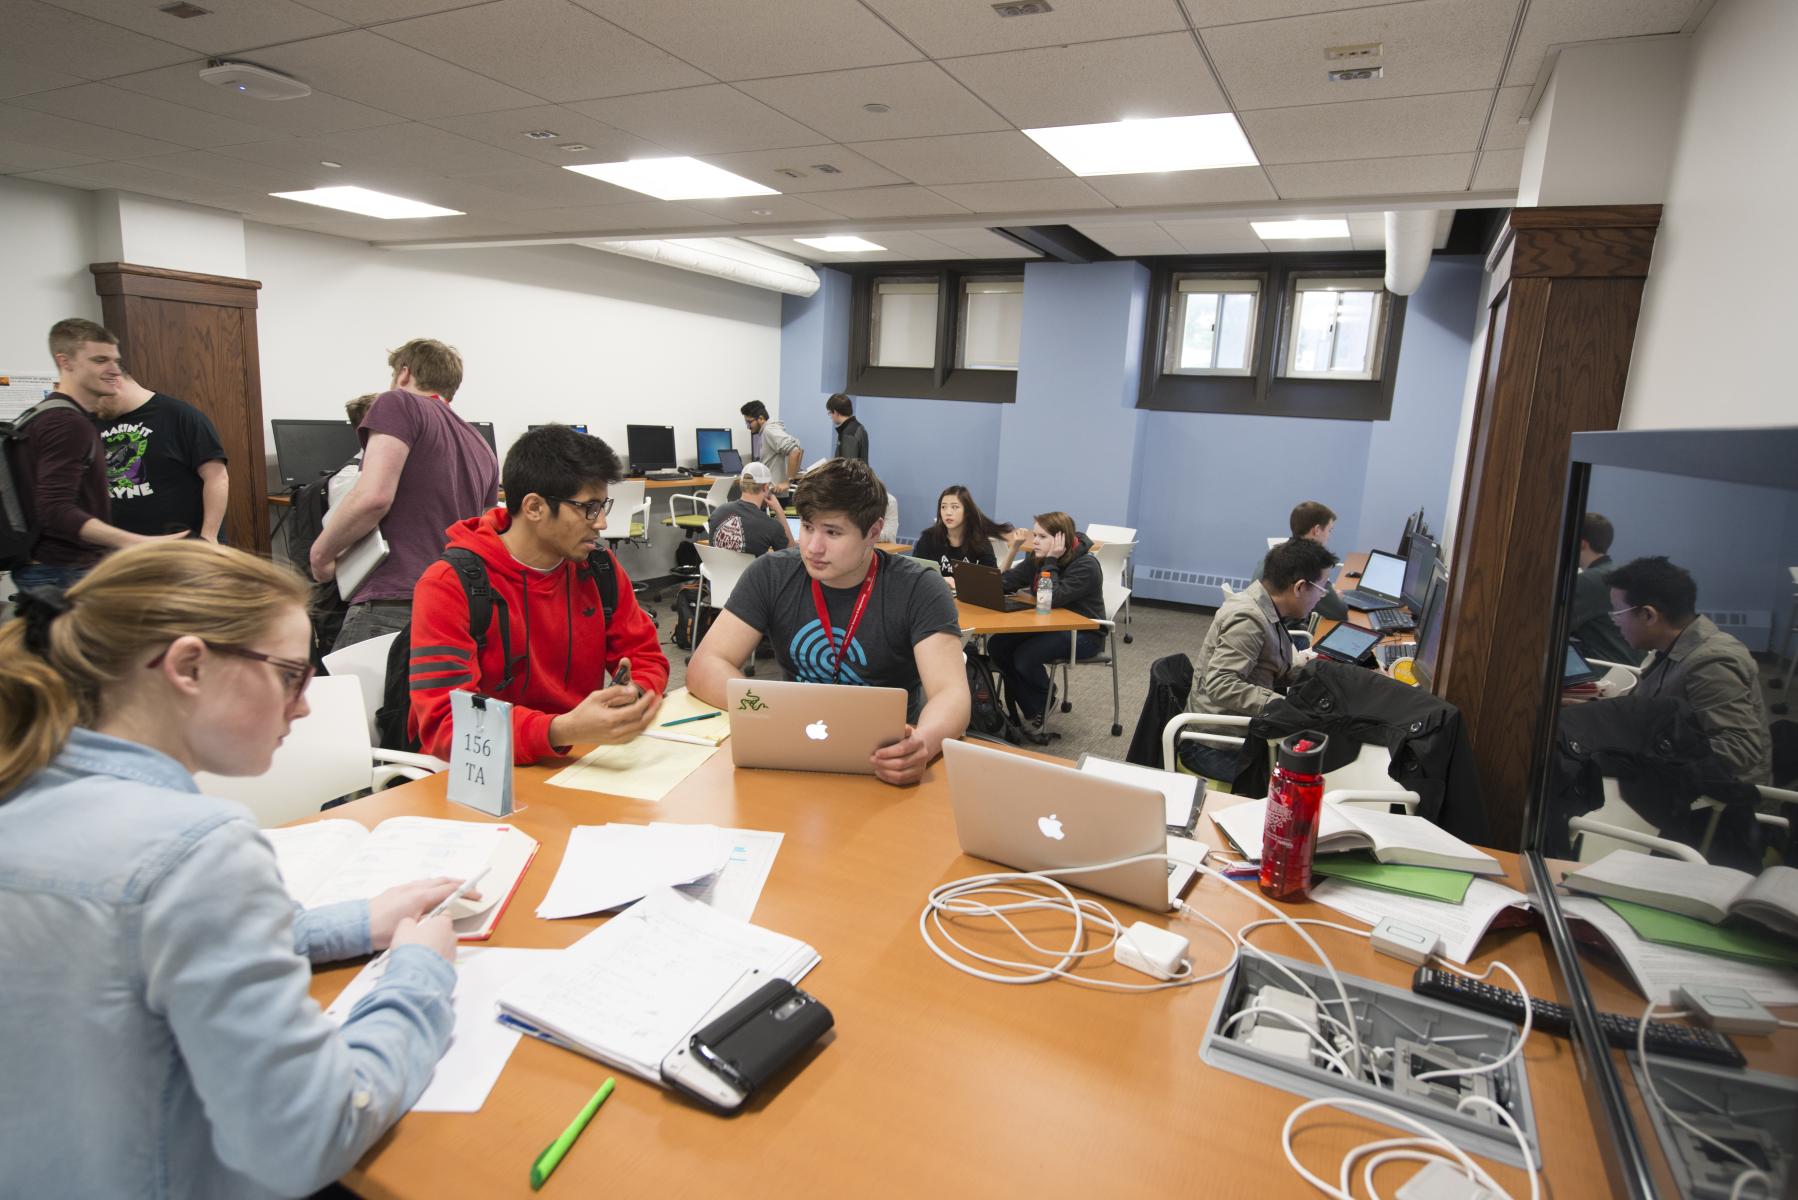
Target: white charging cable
{"type": "Point", "coordinates": [1429, 1145]}
{"type": "Point", "coordinates": [1753, 1174]}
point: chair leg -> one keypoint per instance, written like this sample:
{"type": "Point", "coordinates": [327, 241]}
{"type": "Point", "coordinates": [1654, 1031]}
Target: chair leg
{"type": "Point", "coordinates": [1117, 725]}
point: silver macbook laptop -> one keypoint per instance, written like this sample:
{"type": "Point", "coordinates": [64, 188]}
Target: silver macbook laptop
{"type": "Point", "coordinates": [811, 726]}
{"type": "Point", "coordinates": [1035, 815]}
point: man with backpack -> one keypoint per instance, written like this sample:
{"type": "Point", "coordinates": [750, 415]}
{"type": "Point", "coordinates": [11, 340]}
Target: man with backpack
{"type": "Point", "coordinates": [560, 615]}
{"type": "Point", "coordinates": [57, 514]}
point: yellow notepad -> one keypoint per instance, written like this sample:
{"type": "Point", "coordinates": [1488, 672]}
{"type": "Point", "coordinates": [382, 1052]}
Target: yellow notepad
{"type": "Point", "coordinates": [681, 705]}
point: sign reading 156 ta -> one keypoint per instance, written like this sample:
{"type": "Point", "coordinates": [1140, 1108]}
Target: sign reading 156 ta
{"type": "Point", "coordinates": [480, 773]}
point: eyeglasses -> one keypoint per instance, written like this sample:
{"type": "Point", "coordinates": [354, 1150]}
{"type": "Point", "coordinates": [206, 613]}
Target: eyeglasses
{"type": "Point", "coordinates": [1313, 583]}
{"type": "Point", "coordinates": [1632, 608]}
{"type": "Point", "coordinates": [294, 675]}
{"type": "Point", "coordinates": [591, 509]}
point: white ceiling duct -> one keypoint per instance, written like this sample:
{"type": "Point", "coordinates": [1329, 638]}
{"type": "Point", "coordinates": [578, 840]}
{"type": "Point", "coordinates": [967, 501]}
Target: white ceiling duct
{"type": "Point", "coordinates": [1410, 236]}
{"type": "Point", "coordinates": [722, 258]}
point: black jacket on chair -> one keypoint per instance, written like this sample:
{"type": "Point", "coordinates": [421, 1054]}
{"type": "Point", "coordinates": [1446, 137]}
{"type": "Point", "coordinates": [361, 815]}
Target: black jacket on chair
{"type": "Point", "coordinates": [1170, 682]}
{"type": "Point", "coordinates": [1352, 705]}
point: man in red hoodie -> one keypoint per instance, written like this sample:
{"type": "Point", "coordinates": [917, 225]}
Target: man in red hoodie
{"type": "Point", "coordinates": [547, 605]}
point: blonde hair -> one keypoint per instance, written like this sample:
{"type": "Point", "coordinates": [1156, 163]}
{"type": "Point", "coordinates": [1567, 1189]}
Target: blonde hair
{"type": "Point", "coordinates": [434, 366]}
{"type": "Point", "coordinates": [136, 600]}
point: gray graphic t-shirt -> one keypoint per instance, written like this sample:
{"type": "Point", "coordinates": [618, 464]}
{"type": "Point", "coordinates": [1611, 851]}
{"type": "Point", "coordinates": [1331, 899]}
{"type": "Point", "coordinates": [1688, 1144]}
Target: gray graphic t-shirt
{"type": "Point", "coordinates": [910, 602]}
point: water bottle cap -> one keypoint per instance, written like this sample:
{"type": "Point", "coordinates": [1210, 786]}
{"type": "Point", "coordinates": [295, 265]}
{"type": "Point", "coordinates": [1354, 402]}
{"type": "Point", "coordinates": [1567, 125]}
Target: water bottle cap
{"type": "Point", "coordinates": [1303, 752]}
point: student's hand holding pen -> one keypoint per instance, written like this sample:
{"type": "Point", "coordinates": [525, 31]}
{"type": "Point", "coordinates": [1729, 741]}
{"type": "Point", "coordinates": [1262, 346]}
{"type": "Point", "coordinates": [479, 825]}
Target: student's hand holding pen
{"type": "Point", "coordinates": [406, 904]}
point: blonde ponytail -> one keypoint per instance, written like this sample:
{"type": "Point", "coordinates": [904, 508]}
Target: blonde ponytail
{"type": "Point", "coordinates": [137, 600]}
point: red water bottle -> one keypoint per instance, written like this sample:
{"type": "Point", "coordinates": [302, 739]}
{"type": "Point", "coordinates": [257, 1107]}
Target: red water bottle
{"type": "Point", "coordinates": [1294, 805]}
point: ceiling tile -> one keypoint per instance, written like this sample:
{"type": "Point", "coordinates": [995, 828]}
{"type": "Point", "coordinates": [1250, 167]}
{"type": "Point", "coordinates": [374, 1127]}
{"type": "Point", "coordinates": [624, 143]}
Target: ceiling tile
{"type": "Point", "coordinates": [1163, 75]}
{"type": "Point", "coordinates": [1499, 170]}
{"type": "Point", "coordinates": [1508, 130]}
{"type": "Point", "coordinates": [506, 129]}
{"type": "Point", "coordinates": [923, 99]}
{"type": "Point", "coordinates": [763, 210]}
{"type": "Point", "coordinates": [948, 29]}
{"type": "Point", "coordinates": [764, 166]}
{"type": "Point", "coordinates": [1225, 185]}
{"type": "Point", "coordinates": [1374, 176]}
{"type": "Point", "coordinates": [113, 108]}
{"type": "Point", "coordinates": [76, 137]}
{"type": "Point", "coordinates": [320, 112]}
{"type": "Point", "coordinates": [58, 40]}
{"type": "Point", "coordinates": [651, 215]}
{"type": "Point", "coordinates": [135, 177]}
{"type": "Point", "coordinates": [549, 48]}
{"type": "Point", "coordinates": [419, 147]}
{"type": "Point", "coordinates": [964, 158]}
{"type": "Point", "coordinates": [1405, 125]}
{"type": "Point", "coordinates": [901, 201]}
{"type": "Point", "coordinates": [734, 40]}
{"type": "Point", "coordinates": [218, 168]}
{"type": "Point", "coordinates": [383, 74]}
{"type": "Point", "coordinates": [1129, 238]}
{"type": "Point", "coordinates": [539, 186]}
{"type": "Point", "coordinates": [23, 156]}
{"type": "Point", "coordinates": [1036, 195]}
{"type": "Point", "coordinates": [228, 25]}
{"type": "Point", "coordinates": [1206, 13]}
{"type": "Point", "coordinates": [1218, 236]}
{"type": "Point", "coordinates": [1553, 23]}
{"type": "Point", "coordinates": [981, 243]}
{"type": "Point", "coordinates": [905, 245]}
{"type": "Point", "coordinates": [375, 12]}
{"type": "Point", "coordinates": [714, 119]}
{"type": "Point", "coordinates": [373, 229]}
{"type": "Point", "coordinates": [1431, 46]}
{"type": "Point", "coordinates": [23, 78]}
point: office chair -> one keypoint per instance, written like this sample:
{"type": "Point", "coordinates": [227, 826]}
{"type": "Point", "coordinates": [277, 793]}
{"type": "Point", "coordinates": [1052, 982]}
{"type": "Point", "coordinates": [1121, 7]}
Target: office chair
{"type": "Point", "coordinates": [1116, 596]}
{"type": "Point", "coordinates": [1365, 780]}
{"type": "Point", "coordinates": [366, 663]}
{"type": "Point", "coordinates": [629, 519]}
{"type": "Point", "coordinates": [700, 506]}
{"type": "Point", "coordinates": [1104, 538]}
{"type": "Point", "coordinates": [719, 571]}
{"type": "Point", "coordinates": [1114, 567]}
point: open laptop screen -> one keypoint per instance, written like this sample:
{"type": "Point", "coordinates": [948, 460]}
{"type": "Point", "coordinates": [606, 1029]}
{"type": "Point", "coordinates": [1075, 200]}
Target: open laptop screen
{"type": "Point", "coordinates": [1383, 574]}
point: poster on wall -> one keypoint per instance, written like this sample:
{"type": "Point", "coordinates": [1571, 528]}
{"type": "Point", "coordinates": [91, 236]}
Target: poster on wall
{"type": "Point", "coordinates": [19, 391]}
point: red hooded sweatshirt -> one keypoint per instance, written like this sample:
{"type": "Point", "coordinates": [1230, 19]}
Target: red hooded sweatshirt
{"type": "Point", "coordinates": [562, 648]}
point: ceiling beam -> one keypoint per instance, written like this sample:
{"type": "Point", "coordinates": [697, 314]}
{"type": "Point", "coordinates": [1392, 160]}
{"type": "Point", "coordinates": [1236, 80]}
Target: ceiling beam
{"type": "Point", "coordinates": [1063, 243]}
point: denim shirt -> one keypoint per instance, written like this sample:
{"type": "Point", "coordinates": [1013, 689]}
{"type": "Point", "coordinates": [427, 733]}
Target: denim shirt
{"type": "Point", "coordinates": [156, 1036]}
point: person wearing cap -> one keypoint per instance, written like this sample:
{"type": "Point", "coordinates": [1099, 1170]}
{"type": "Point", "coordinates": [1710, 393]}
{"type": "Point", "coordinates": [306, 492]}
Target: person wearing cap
{"type": "Point", "coordinates": [755, 522]}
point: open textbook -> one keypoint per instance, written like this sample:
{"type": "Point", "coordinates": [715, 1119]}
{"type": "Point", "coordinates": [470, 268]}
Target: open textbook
{"type": "Point", "coordinates": [323, 862]}
{"type": "Point", "coordinates": [1694, 889]}
{"type": "Point", "coordinates": [1391, 837]}
{"type": "Point", "coordinates": [1659, 971]}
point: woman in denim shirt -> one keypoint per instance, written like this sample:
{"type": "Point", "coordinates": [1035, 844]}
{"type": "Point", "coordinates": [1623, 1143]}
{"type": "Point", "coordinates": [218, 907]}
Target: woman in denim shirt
{"type": "Point", "coordinates": [156, 1037]}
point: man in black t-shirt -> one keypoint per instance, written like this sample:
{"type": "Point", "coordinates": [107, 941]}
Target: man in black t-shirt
{"type": "Point", "coordinates": [165, 467]}
{"type": "Point", "coordinates": [754, 524]}
{"type": "Point", "coordinates": [908, 635]}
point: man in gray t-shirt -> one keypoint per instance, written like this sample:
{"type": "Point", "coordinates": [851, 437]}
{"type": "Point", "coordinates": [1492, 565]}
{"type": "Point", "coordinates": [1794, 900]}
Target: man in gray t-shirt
{"type": "Point", "coordinates": [908, 635]}
{"type": "Point", "coordinates": [772, 446]}
{"type": "Point", "coordinates": [754, 524]}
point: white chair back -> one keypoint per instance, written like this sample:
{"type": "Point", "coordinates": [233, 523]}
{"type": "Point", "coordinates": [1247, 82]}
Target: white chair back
{"type": "Point", "coordinates": [629, 503]}
{"type": "Point", "coordinates": [1113, 558]}
{"type": "Point", "coordinates": [1114, 594]}
{"type": "Point", "coordinates": [719, 492]}
{"type": "Point", "coordinates": [1000, 546]}
{"type": "Point", "coordinates": [366, 663]}
{"type": "Point", "coordinates": [720, 569]}
{"type": "Point", "coordinates": [327, 754]}
{"type": "Point", "coordinates": [1275, 541]}
{"type": "Point", "coordinates": [1111, 533]}
{"type": "Point", "coordinates": [889, 531]}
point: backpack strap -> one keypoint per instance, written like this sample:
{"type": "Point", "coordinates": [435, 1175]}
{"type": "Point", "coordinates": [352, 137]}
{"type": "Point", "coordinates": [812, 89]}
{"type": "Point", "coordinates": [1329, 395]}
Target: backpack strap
{"type": "Point", "coordinates": [12, 502]}
{"type": "Point", "coordinates": [482, 600]}
{"type": "Point", "coordinates": [604, 570]}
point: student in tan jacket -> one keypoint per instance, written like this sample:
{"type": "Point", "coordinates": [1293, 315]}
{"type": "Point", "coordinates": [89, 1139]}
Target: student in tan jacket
{"type": "Point", "coordinates": [1248, 656]}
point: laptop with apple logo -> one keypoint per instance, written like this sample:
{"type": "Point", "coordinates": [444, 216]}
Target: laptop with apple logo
{"type": "Point", "coordinates": [811, 726]}
{"type": "Point", "coordinates": [1034, 815]}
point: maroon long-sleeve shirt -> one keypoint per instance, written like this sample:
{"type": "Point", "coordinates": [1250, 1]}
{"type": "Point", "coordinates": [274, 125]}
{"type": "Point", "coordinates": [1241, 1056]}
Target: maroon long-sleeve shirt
{"type": "Point", "coordinates": [61, 464]}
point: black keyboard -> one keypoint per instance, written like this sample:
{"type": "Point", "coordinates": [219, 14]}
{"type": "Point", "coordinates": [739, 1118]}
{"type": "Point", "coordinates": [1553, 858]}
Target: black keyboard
{"type": "Point", "coordinates": [1395, 620]}
{"type": "Point", "coordinates": [1390, 652]}
{"type": "Point", "coordinates": [1367, 601]}
{"type": "Point", "coordinates": [667, 476]}
{"type": "Point", "coordinates": [1692, 1042]}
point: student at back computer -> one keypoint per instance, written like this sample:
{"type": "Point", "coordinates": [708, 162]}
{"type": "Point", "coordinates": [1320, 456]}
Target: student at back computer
{"type": "Point", "coordinates": [839, 610]}
{"type": "Point", "coordinates": [1314, 521]}
{"type": "Point", "coordinates": [755, 523]}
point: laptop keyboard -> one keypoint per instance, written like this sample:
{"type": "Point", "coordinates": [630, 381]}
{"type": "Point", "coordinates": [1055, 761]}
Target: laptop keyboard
{"type": "Point", "coordinates": [1394, 619]}
{"type": "Point", "coordinates": [1390, 652]}
{"type": "Point", "coordinates": [1367, 601]}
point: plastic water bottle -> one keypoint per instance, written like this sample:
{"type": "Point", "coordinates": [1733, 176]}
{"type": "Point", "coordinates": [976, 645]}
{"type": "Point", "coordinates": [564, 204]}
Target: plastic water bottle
{"type": "Point", "coordinates": [1045, 594]}
{"type": "Point", "coordinates": [1294, 806]}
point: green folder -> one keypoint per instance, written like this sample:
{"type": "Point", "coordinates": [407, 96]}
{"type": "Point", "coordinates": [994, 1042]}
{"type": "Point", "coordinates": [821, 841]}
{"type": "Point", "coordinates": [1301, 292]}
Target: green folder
{"type": "Point", "coordinates": [1432, 883]}
{"type": "Point", "coordinates": [1689, 933]}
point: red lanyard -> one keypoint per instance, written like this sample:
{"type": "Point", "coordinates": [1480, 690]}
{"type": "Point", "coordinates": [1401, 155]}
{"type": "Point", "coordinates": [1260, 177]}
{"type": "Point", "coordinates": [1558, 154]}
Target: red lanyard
{"type": "Point", "coordinates": [855, 616]}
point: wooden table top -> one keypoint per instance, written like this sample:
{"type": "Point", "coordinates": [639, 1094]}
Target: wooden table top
{"type": "Point", "coordinates": [933, 1083]}
{"type": "Point", "coordinates": [981, 621]}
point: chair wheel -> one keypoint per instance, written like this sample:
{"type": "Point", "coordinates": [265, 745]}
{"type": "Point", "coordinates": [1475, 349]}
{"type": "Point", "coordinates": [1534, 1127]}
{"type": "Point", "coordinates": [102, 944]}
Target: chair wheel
{"type": "Point", "coordinates": [1117, 731]}
{"type": "Point", "coordinates": [1067, 706]}
{"type": "Point", "coordinates": [1129, 639]}
{"type": "Point", "coordinates": [750, 671]}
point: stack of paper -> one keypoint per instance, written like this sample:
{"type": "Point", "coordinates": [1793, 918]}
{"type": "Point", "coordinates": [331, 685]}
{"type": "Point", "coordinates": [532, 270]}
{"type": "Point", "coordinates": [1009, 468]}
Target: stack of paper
{"type": "Point", "coordinates": [1390, 837]}
{"type": "Point", "coordinates": [609, 866]}
{"type": "Point", "coordinates": [1659, 970]}
{"type": "Point", "coordinates": [1459, 926]}
{"type": "Point", "coordinates": [1181, 792]}
{"type": "Point", "coordinates": [1700, 890]}
{"type": "Point", "coordinates": [684, 717]}
{"type": "Point", "coordinates": [631, 990]}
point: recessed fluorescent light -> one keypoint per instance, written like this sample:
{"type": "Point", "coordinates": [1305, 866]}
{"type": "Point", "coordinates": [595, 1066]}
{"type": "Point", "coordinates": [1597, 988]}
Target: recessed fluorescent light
{"type": "Point", "coordinates": [1151, 144]}
{"type": "Point", "coordinates": [675, 179]}
{"type": "Point", "coordinates": [839, 245]}
{"type": "Point", "coordinates": [368, 203]}
{"type": "Point", "coordinates": [1278, 231]}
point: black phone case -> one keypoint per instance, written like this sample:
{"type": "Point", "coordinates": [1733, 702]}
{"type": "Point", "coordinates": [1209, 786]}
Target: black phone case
{"type": "Point", "coordinates": [755, 1041]}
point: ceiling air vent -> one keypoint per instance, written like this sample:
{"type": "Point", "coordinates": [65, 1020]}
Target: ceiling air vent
{"type": "Point", "coordinates": [1361, 50]}
{"type": "Point", "coordinates": [185, 11]}
{"type": "Point", "coordinates": [1357, 74]}
{"type": "Point", "coordinates": [541, 135]}
{"type": "Point", "coordinates": [1023, 8]}
{"type": "Point", "coordinates": [825, 169]}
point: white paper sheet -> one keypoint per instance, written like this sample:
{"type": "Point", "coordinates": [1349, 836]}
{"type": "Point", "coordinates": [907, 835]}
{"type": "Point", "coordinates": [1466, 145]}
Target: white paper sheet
{"type": "Point", "coordinates": [608, 866]}
{"type": "Point", "coordinates": [407, 849]}
{"type": "Point", "coordinates": [735, 890]}
{"type": "Point", "coordinates": [1460, 926]}
{"type": "Point", "coordinates": [480, 1045]}
{"type": "Point", "coordinates": [1659, 969]}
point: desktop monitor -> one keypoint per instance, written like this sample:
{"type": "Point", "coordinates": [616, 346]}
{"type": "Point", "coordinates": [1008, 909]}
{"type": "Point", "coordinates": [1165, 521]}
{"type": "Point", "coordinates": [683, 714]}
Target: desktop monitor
{"type": "Point", "coordinates": [1413, 524]}
{"type": "Point", "coordinates": [486, 430]}
{"type": "Point", "coordinates": [651, 447]}
{"type": "Point", "coordinates": [570, 424]}
{"type": "Point", "coordinates": [730, 462]}
{"type": "Point", "coordinates": [1420, 566]}
{"type": "Point", "coordinates": [305, 450]}
{"type": "Point", "coordinates": [709, 442]}
{"type": "Point", "coordinates": [1429, 627]}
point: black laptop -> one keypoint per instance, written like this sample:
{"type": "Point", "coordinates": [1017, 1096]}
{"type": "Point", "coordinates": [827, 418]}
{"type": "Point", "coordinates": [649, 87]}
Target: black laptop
{"type": "Point", "coordinates": [730, 462]}
{"type": "Point", "coordinates": [1347, 643]}
{"type": "Point", "coordinates": [1382, 583]}
{"type": "Point", "coordinates": [983, 587]}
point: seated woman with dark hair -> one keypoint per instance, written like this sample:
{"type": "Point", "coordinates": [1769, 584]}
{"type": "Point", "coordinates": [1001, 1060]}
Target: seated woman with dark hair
{"type": "Point", "coordinates": [961, 533]}
{"type": "Point", "coordinates": [1079, 585]}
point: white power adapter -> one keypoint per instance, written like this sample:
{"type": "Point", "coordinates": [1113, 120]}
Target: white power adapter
{"type": "Point", "coordinates": [1155, 952]}
{"type": "Point", "coordinates": [1402, 941]}
{"type": "Point", "coordinates": [1727, 1009]}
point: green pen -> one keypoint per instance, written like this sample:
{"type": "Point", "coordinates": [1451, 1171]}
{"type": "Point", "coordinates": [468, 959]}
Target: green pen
{"type": "Point", "coordinates": [685, 720]}
{"type": "Point", "coordinates": [547, 1161]}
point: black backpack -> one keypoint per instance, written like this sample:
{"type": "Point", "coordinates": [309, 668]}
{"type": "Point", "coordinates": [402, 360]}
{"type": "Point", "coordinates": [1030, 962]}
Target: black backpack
{"type": "Point", "coordinates": [396, 691]}
{"type": "Point", "coordinates": [986, 711]}
{"type": "Point", "coordinates": [19, 529]}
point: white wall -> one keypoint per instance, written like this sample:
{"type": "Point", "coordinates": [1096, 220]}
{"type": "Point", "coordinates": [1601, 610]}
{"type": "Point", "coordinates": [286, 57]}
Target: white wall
{"type": "Point", "coordinates": [46, 242]}
{"type": "Point", "coordinates": [148, 232]}
{"type": "Point", "coordinates": [1714, 343]}
{"type": "Point", "coordinates": [1603, 131]}
{"type": "Point", "coordinates": [552, 333]}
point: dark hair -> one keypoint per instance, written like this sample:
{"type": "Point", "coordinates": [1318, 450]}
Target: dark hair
{"type": "Point", "coordinates": [69, 335]}
{"type": "Point", "coordinates": [755, 408]}
{"type": "Point", "coordinates": [554, 460]}
{"type": "Point", "coordinates": [1597, 532]}
{"type": "Point", "coordinates": [840, 404]}
{"type": "Point", "coordinates": [1308, 515]}
{"type": "Point", "coordinates": [1295, 559]}
{"type": "Point", "coordinates": [1657, 583]}
{"type": "Point", "coordinates": [358, 408]}
{"type": "Point", "coordinates": [842, 485]}
{"type": "Point", "coordinates": [1060, 522]}
{"type": "Point", "coordinates": [974, 523]}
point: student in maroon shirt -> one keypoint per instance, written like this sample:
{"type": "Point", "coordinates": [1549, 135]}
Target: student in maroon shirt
{"type": "Point", "coordinates": [61, 462]}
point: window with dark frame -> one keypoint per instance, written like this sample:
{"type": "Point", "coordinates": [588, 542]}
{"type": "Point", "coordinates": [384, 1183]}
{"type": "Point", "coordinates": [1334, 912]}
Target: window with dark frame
{"type": "Point", "coordinates": [1211, 330]}
{"type": "Point", "coordinates": [936, 331]}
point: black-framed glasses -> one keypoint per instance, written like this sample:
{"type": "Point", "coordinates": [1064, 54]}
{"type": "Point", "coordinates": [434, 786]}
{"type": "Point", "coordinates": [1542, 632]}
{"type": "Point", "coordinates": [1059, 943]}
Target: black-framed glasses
{"type": "Point", "coordinates": [294, 675]}
{"type": "Point", "coordinates": [590, 509]}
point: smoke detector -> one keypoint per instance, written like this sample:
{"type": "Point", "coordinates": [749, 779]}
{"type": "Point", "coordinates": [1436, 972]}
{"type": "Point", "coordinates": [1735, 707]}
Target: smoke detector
{"type": "Point", "coordinates": [258, 83]}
